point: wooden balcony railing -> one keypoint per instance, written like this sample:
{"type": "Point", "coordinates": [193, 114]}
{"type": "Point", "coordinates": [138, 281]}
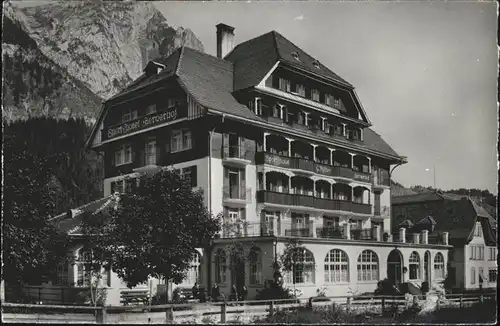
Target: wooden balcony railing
{"type": "Point", "coordinates": [266, 196]}
{"type": "Point", "coordinates": [311, 166]}
{"type": "Point", "coordinates": [236, 192]}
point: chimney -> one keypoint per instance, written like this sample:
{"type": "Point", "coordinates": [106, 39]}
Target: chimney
{"type": "Point", "coordinates": [225, 39]}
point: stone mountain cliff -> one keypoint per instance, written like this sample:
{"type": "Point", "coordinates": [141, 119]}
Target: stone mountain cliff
{"type": "Point", "coordinates": [97, 48]}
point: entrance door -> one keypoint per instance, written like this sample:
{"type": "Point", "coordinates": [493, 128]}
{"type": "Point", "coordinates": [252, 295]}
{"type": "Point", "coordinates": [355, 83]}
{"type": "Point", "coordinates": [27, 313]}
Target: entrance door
{"type": "Point", "coordinates": [427, 266]}
{"type": "Point", "coordinates": [394, 267]}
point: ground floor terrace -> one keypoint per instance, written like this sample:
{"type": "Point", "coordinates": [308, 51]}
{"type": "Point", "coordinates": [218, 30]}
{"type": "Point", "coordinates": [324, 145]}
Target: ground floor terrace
{"type": "Point", "coordinates": [330, 266]}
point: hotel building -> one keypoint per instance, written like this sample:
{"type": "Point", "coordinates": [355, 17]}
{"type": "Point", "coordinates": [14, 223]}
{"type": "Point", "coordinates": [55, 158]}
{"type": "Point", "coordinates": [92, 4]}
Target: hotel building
{"type": "Point", "coordinates": [283, 147]}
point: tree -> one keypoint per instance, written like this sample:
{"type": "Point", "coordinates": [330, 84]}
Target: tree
{"type": "Point", "coordinates": [32, 246]}
{"type": "Point", "coordinates": [292, 258]}
{"type": "Point", "coordinates": [155, 229]}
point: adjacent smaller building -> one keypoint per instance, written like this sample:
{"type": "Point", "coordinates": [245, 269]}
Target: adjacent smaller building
{"type": "Point", "coordinates": [472, 232]}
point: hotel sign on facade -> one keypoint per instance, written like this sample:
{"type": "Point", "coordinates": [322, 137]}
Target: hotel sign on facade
{"type": "Point", "coordinates": [144, 122]}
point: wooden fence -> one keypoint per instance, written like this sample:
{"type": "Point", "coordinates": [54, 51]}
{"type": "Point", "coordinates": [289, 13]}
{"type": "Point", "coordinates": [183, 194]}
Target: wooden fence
{"type": "Point", "coordinates": [220, 311]}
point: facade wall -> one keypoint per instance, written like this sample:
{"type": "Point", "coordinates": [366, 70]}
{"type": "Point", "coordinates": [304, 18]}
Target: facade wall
{"type": "Point", "coordinates": [320, 249]}
{"type": "Point", "coordinates": [471, 279]}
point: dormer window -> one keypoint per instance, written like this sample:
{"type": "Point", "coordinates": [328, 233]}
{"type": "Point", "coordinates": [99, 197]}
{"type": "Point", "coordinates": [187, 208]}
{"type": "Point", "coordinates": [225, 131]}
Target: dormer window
{"type": "Point", "coordinates": [257, 106]}
{"type": "Point", "coordinates": [295, 55]}
{"type": "Point", "coordinates": [284, 85]}
{"type": "Point", "coordinates": [316, 64]}
{"type": "Point", "coordinates": [338, 129]}
{"type": "Point", "coordinates": [478, 231]}
{"type": "Point", "coordinates": [151, 109]}
{"type": "Point", "coordinates": [129, 115]}
{"type": "Point", "coordinates": [300, 90]}
{"type": "Point", "coordinates": [279, 111]}
{"type": "Point", "coordinates": [315, 95]}
{"type": "Point", "coordinates": [329, 99]}
{"type": "Point", "coordinates": [354, 134]}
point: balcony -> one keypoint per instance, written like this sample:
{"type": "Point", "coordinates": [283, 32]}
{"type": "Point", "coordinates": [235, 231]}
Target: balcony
{"type": "Point", "coordinates": [245, 229]}
{"type": "Point", "coordinates": [330, 232]}
{"type": "Point", "coordinates": [236, 155]}
{"type": "Point", "coordinates": [361, 234]}
{"type": "Point", "coordinates": [286, 199]}
{"type": "Point", "coordinates": [238, 194]}
{"type": "Point", "coordinates": [310, 167]}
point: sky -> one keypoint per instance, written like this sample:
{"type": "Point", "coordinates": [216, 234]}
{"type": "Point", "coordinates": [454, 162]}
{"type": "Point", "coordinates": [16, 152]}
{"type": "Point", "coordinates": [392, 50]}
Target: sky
{"type": "Point", "coordinates": [425, 72]}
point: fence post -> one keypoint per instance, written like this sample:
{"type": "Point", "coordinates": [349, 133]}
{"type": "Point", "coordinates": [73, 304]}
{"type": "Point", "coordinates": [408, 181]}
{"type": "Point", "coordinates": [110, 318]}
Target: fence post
{"type": "Point", "coordinates": [271, 308]}
{"type": "Point", "coordinates": [383, 305]}
{"type": "Point", "coordinates": [461, 300]}
{"type": "Point", "coordinates": [169, 314]}
{"type": "Point", "coordinates": [348, 308]}
{"type": "Point", "coordinates": [101, 315]}
{"type": "Point", "coordinates": [223, 313]}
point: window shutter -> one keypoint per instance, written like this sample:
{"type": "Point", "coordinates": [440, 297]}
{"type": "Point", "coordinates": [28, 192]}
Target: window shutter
{"type": "Point", "coordinates": [194, 177]}
{"type": "Point", "coordinates": [225, 144]}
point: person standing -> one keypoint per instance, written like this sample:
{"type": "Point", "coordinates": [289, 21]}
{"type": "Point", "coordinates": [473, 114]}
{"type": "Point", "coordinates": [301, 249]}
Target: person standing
{"type": "Point", "coordinates": [215, 292]}
{"type": "Point", "coordinates": [234, 294]}
{"type": "Point", "coordinates": [244, 293]}
{"type": "Point", "coordinates": [195, 290]}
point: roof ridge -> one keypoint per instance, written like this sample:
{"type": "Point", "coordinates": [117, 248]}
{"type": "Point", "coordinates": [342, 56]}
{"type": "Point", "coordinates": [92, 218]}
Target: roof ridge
{"type": "Point", "coordinates": [176, 71]}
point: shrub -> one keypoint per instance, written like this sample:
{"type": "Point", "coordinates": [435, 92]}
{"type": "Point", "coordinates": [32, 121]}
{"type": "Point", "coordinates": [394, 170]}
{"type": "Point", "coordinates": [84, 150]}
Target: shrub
{"type": "Point", "coordinates": [274, 292]}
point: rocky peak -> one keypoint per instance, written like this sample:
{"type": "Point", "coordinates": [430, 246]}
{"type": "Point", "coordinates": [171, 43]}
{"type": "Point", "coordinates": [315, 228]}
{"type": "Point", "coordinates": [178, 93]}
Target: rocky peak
{"type": "Point", "coordinates": [103, 44]}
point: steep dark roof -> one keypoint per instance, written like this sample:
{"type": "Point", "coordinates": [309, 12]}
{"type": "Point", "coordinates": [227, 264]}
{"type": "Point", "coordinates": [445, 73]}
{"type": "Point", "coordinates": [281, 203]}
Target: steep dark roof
{"type": "Point", "coordinates": [254, 58]}
{"type": "Point", "coordinates": [210, 81]}
{"type": "Point", "coordinates": [459, 218]}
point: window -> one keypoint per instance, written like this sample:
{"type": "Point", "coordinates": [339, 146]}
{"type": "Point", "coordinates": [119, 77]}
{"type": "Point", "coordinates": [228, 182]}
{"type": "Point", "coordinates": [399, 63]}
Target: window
{"type": "Point", "coordinates": [473, 275]}
{"type": "Point", "coordinates": [478, 231]}
{"type": "Point", "coordinates": [123, 155]}
{"type": "Point", "coordinates": [106, 277]}
{"type": "Point", "coordinates": [303, 269]}
{"type": "Point", "coordinates": [336, 267]}
{"type": "Point", "coordinates": [356, 224]}
{"type": "Point", "coordinates": [316, 64]}
{"type": "Point", "coordinates": [284, 85]}
{"type": "Point", "coordinates": [233, 214]}
{"type": "Point", "coordinates": [315, 95]}
{"type": "Point", "coordinates": [255, 266]}
{"type": "Point", "coordinates": [190, 175]}
{"type": "Point", "coordinates": [300, 90]}
{"type": "Point", "coordinates": [481, 275]}
{"type": "Point", "coordinates": [492, 276]}
{"type": "Point", "coordinates": [171, 102]}
{"type": "Point", "coordinates": [151, 152]}
{"type": "Point", "coordinates": [62, 274]}
{"type": "Point", "coordinates": [220, 267]}
{"type": "Point", "coordinates": [493, 253]}
{"type": "Point", "coordinates": [151, 109]}
{"type": "Point", "coordinates": [354, 134]}
{"type": "Point", "coordinates": [414, 266]}
{"type": "Point", "coordinates": [439, 266]}
{"type": "Point", "coordinates": [83, 273]}
{"type": "Point", "coordinates": [295, 55]}
{"type": "Point", "coordinates": [181, 140]}
{"type": "Point", "coordinates": [194, 271]}
{"type": "Point", "coordinates": [338, 129]}
{"type": "Point", "coordinates": [129, 115]}
{"type": "Point", "coordinates": [476, 252]}
{"type": "Point", "coordinates": [368, 266]}
{"type": "Point", "coordinates": [256, 105]}
{"type": "Point", "coordinates": [329, 99]}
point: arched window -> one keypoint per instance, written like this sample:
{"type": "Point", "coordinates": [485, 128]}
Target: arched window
{"type": "Point", "coordinates": [303, 269]}
{"type": "Point", "coordinates": [336, 266]}
{"type": "Point", "coordinates": [255, 266]}
{"type": "Point", "coordinates": [368, 266]}
{"type": "Point", "coordinates": [220, 267]}
{"type": "Point", "coordinates": [194, 271]}
{"type": "Point", "coordinates": [473, 275]}
{"type": "Point", "coordinates": [439, 266]}
{"type": "Point", "coordinates": [414, 266]}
